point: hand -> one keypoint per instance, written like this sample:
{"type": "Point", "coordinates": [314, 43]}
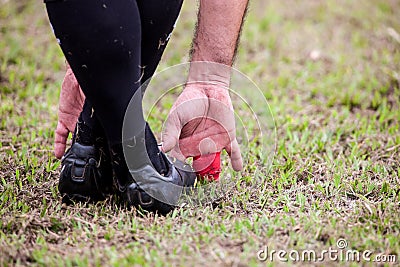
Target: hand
{"type": "Point", "coordinates": [201, 122]}
{"type": "Point", "coordinates": [70, 106]}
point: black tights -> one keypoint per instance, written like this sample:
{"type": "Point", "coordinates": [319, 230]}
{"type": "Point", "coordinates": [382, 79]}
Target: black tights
{"type": "Point", "coordinates": [112, 48]}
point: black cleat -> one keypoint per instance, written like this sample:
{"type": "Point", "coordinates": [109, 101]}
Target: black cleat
{"type": "Point", "coordinates": [86, 174]}
{"type": "Point", "coordinates": [148, 180]}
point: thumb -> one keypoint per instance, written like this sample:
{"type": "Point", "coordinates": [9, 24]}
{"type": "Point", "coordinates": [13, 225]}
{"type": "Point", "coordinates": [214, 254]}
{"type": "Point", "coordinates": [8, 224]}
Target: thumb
{"type": "Point", "coordinates": [171, 133]}
{"type": "Point", "coordinates": [235, 156]}
{"type": "Point", "coordinates": [176, 153]}
{"type": "Point", "coordinates": [61, 135]}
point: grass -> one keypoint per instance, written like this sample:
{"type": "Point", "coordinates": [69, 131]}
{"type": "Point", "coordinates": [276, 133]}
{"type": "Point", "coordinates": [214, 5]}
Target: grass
{"type": "Point", "coordinates": [330, 71]}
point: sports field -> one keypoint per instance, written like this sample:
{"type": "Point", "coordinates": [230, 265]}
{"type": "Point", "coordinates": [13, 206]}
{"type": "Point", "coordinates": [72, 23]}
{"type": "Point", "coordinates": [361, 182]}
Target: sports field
{"type": "Point", "coordinates": [330, 71]}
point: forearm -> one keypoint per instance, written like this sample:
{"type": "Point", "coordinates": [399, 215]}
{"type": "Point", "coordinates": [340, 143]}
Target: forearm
{"type": "Point", "coordinates": [218, 29]}
{"type": "Point", "coordinates": [215, 41]}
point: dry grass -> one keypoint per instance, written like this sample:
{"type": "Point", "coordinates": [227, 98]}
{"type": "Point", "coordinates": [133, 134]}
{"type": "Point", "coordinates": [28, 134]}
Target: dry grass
{"type": "Point", "coordinates": [330, 71]}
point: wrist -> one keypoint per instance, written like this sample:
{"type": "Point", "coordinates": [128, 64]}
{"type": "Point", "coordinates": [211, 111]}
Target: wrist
{"type": "Point", "coordinates": [209, 73]}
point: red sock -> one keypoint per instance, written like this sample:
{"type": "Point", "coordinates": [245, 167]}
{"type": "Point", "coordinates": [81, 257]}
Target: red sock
{"type": "Point", "coordinates": [208, 166]}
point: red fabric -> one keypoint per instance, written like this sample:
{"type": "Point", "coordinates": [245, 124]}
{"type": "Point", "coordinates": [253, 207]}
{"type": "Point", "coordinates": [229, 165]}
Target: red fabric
{"type": "Point", "coordinates": [208, 167]}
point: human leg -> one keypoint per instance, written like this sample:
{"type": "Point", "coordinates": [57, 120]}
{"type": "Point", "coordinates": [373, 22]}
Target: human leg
{"type": "Point", "coordinates": [104, 54]}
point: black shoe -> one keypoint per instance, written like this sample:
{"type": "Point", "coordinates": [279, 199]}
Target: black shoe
{"type": "Point", "coordinates": [151, 190]}
{"type": "Point", "coordinates": [85, 175]}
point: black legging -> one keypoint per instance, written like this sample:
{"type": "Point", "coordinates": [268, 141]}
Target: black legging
{"type": "Point", "coordinates": [112, 47]}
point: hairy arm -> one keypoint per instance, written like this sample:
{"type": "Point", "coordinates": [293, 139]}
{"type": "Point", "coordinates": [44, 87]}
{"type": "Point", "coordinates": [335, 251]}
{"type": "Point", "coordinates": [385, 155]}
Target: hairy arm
{"type": "Point", "coordinates": [201, 122]}
{"type": "Point", "coordinates": [218, 29]}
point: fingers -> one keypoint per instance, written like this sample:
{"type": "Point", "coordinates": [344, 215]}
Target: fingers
{"type": "Point", "coordinates": [70, 106]}
{"type": "Point", "coordinates": [176, 153]}
{"type": "Point", "coordinates": [81, 97]}
{"type": "Point", "coordinates": [171, 133]}
{"type": "Point", "coordinates": [234, 153]}
{"type": "Point", "coordinates": [61, 135]}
